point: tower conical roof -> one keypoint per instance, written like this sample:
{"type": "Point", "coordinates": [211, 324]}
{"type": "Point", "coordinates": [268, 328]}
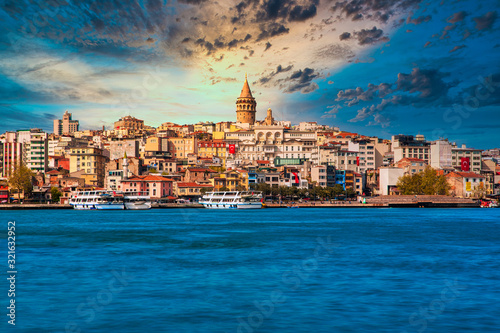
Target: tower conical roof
{"type": "Point", "coordinates": [246, 92]}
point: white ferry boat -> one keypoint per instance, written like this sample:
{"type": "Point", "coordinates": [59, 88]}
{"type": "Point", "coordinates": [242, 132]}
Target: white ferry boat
{"type": "Point", "coordinates": [136, 201]}
{"type": "Point", "coordinates": [96, 199]}
{"type": "Point", "coordinates": [109, 200]}
{"type": "Point", "coordinates": [232, 200]}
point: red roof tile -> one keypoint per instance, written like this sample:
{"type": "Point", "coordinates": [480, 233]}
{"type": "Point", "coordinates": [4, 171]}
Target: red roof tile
{"type": "Point", "coordinates": [458, 174]}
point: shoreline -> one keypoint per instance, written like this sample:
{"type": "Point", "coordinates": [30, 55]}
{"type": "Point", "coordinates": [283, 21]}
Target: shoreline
{"type": "Point", "coordinates": [272, 206]}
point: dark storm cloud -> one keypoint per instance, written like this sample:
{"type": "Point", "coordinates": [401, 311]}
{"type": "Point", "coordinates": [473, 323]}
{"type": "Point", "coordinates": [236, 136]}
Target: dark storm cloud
{"type": "Point", "coordinates": [272, 10]}
{"type": "Point", "coordinates": [428, 84]}
{"type": "Point", "coordinates": [486, 21]}
{"type": "Point", "coordinates": [300, 13]}
{"type": "Point", "coordinates": [380, 11]}
{"type": "Point", "coordinates": [354, 96]}
{"type": "Point", "coordinates": [271, 30]}
{"type": "Point", "coordinates": [301, 80]}
{"type": "Point", "coordinates": [420, 88]}
{"type": "Point", "coordinates": [279, 69]}
{"type": "Point", "coordinates": [457, 17]}
{"type": "Point", "coordinates": [345, 35]}
{"type": "Point", "coordinates": [485, 93]}
{"type": "Point", "coordinates": [370, 36]}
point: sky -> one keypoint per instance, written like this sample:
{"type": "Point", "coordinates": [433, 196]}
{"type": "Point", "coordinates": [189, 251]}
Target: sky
{"type": "Point", "coordinates": [375, 67]}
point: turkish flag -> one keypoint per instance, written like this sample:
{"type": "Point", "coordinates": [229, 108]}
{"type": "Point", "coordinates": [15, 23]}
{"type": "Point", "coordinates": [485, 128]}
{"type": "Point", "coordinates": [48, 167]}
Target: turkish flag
{"type": "Point", "coordinates": [465, 163]}
{"type": "Point", "coordinates": [232, 149]}
{"type": "Point", "coordinates": [357, 160]}
{"type": "Point", "coordinates": [296, 177]}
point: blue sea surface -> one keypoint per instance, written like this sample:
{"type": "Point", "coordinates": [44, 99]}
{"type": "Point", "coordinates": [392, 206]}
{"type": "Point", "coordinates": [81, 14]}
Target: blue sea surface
{"type": "Point", "coordinates": [270, 270]}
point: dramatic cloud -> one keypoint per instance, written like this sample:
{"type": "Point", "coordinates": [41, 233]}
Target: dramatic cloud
{"type": "Point", "coordinates": [354, 96]}
{"type": "Point", "coordinates": [302, 81]}
{"type": "Point", "coordinates": [426, 83]}
{"type": "Point", "coordinates": [279, 69]}
{"type": "Point", "coordinates": [269, 10]}
{"type": "Point", "coordinates": [379, 11]}
{"type": "Point", "coordinates": [345, 35]}
{"type": "Point", "coordinates": [272, 30]}
{"type": "Point", "coordinates": [486, 21]}
{"type": "Point", "coordinates": [420, 88]}
{"type": "Point", "coordinates": [370, 36]}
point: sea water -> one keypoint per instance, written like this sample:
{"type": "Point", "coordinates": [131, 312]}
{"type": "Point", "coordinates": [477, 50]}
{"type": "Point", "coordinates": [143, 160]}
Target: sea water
{"type": "Point", "coordinates": [269, 270]}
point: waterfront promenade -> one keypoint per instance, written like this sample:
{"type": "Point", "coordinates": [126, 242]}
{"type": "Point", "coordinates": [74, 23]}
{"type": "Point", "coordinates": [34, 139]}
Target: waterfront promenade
{"type": "Point", "coordinates": [410, 201]}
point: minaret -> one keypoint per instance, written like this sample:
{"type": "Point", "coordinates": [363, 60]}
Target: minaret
{"type": "Point", "coordinates": [125, 166]}
{"type": "Point", "coordinates": [269, 119]}
{"type": "Point", "coordinates": [246, 105]}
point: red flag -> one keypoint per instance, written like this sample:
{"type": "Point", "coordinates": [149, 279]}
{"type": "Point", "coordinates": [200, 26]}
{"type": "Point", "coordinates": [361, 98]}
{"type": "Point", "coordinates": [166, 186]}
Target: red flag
{"type": "Point", "coordinates": [296, 177]}
{"type": "Point", "coordinates": [232, 149]}
{"type": "Point", "coordinates": [357, 160]}
{"type": "Point", "coordinates": [465, 163]}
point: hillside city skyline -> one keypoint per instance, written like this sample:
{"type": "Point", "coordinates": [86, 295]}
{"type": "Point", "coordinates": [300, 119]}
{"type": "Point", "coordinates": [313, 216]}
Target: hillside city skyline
{"type": "Point", "coordinates": [382, 69]}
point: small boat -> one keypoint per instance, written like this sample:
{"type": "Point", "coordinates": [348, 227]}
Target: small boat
{"type": "Point", "coordinates": [292, 206]}
{"type": "Point", "coordinates": [136, 201]}
{"type": "Point", "coordinates": [232, 200]}
{"type": "Point", "coordinates": [488, 204]}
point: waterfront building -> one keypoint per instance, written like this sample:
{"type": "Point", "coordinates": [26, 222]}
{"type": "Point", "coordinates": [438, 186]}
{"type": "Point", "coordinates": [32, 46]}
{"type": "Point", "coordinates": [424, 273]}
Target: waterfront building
{"type": "Point", "coordinates": [388, 178]}
{"type": "Point", "coordinates": [190, 190]}
{"type": "Point", "coordinates": [35, 149]}
{"type": "Point", "coordinates": [441, 154]}
{"type": "Point", "coordinates": [90, 162]}
{"type": "Point", "coordinates": [411, 166]}
{"type": "Point", "coordinates": [412, 147]}
{"type": "Point", "coordinates": [474, 156]}
{"type": "Point", "coordinates": [66, 125]}
{"type": "Point", "coordinates": [233, 180]}
{"type": "Point", "coordinates": [371, 152]}
{"type": "Point", "coordinates": [199, 175]}
{"type": "Point", "coordinates": [156, 187]}
{"type": "Point", "coordinates": [466, 184]}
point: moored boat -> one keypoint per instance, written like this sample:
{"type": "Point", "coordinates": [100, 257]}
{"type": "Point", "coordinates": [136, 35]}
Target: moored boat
{"type": "Point", "coordinates": [136, 201]}
{"type": "Point", "coordinates": [232, 200]}
{"type": "Point", "coordinates": [96, 199]}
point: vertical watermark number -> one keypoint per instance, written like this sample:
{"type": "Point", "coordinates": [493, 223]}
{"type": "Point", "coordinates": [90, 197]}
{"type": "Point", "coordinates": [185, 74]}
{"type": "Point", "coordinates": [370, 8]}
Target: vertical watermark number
{"type": "Point", "coordinates": [11, 271]}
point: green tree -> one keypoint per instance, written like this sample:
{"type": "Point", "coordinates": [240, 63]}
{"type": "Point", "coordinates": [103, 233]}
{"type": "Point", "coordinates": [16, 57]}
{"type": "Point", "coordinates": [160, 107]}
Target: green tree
{"type": "Point", "coordinates": [426, 182]}
{"type": "Point", "coordinates": [224, 188]}
{"type": "Point", "coordinates": [56, 194]}
{"type": "Point", "coordinates": [337, 190]}
{"type": "Point", "coordinates": [20, 180]}
{"type": "Point", "coordinates": [350, 193]}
